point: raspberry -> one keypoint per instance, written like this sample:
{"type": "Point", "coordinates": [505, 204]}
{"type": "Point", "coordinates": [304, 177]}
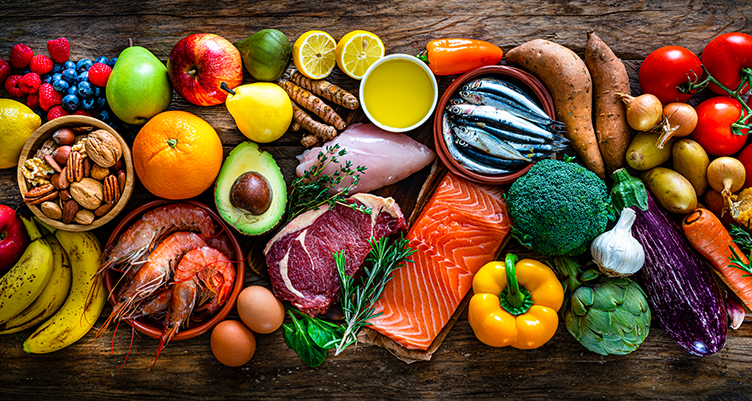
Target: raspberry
{"type": "Point", "coordinates": [33, 100]}
{"type": "Point", "coordinates": [99, 73]}
{"type": "Point", "coordinates": [29, 83]}
{"type": "Point", "coordinates": [59, 49]}
{"type": "Point", "coordinates": [4, 70]}
{"type": "Point", "coordinates": [11, 85]}
{"type": "Point", "coordinates": [56, 112]}
{"type": "Point", "coordinates": [81, 113]}
{"type": "Point", "coordinates": [48, 97]}
{"type": "Point", "coordinates": [41, 64]}
{"type": "Point", "coordinates": [20, 55]}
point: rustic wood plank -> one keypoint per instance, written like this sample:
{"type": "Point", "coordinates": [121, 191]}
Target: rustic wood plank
{"type": "Point", "coordinates": [463, 367]}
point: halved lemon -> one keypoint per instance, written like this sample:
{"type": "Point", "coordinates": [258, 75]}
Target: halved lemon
{"type": "Point", "coordinates": [356, 51]}
{"type": "Point", "coordinates": [313, 54]}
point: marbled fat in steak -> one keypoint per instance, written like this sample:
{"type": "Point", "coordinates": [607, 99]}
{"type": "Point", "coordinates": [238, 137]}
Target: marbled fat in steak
{"type": "Point", "coordinates": [299, 257]}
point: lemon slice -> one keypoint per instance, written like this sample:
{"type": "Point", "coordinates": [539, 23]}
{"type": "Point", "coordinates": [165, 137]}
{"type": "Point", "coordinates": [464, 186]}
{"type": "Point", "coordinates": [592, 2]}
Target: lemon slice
{"type": "Point", "coordinates": [356, 51]}
{"type": "Point", "coordinates": [313, 54]}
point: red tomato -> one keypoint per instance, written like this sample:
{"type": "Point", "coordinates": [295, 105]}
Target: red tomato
{"type": "Point", "coordinates": [725, 56]}
{"type": "Point", "coordinates": [745, 156]}
{"type": "Point", "coordinates": [665, 69]}
{"type": "Point", "coordinates": [713, 131]}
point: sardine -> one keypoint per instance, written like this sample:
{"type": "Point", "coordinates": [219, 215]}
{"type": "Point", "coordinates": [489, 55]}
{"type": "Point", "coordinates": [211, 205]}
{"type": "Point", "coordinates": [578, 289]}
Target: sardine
{"type": "Point", "coordinates": [499, 118]}
{"type": "Point", "coordinates": [489, 99]}
{"type": "Point", "coordinates": [488, 160]}
{"type": "Point", "coordinates": [463, 160]}
{"type": "Point", "coordinates": [488, 143]}
{"type": "Point", "coordinates": [504, 89]}
{"type": "Point", "coordinates": [504, 135]}
{"type": "Point", "coordinates": [537, 148]}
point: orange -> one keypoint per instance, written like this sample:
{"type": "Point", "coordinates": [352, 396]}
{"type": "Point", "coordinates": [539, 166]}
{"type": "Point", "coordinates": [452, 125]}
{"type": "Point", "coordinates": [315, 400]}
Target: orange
{"type": "Point", "coordinates": [177, 155]}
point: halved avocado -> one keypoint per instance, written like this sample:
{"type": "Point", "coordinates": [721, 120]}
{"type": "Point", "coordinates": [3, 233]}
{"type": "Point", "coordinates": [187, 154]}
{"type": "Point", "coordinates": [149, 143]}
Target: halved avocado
{"type": "Point", "coordinates": [245, 158]}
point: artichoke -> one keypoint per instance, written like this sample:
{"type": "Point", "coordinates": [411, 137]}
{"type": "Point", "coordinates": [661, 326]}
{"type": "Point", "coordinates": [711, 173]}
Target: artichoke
{"type": "Point", "coordinates": [606, 315]}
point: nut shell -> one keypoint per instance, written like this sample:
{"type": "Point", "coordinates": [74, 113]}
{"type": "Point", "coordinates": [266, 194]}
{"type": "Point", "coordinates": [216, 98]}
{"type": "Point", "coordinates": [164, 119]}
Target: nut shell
{"type": "Point", "coordinates": [84, 217]}
{"type": "Point", "coordinates": [99, 173]}
{"type": "Point", "coordinates": [103, 148]}
{"type": "Point", "coordinates": [111, 189]}
{"type": "Point", "coordinates": [51, 210]}
{"type": "Point", "coordinates": [75, 167]}
{"type": "Point", "coordinates": [88, 193]}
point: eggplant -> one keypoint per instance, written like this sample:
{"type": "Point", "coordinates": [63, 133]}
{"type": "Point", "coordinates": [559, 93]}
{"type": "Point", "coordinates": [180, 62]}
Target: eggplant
{"type": "Point", "coordinates": [681, 290]}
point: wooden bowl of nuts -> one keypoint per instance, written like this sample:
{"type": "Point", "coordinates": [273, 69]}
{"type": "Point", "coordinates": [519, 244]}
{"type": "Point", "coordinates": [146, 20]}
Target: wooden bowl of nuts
{"type": "Point", "coordinates": [76, 173]}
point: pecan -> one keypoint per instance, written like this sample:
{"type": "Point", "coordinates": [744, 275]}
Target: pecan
{"type": "Point", "coordinates": [51, 210]}
{"type": "Point", "coordinates": [84, 217]}
{"type": "Point", "coordinates": [62, 179]}
{"type": "Point", "coordinates": [111, 189]}
{"type": "Point", "coordinates": [65, 195]}
{"type": "Point", "coordinates": [70, 208]}
{"type": "Point", "coordinates": [104, 209]}
{"type": "Point", "coordinates": [82, 129]}
{"type": "Point", "coordinates": [103, 148]}
{"type": "Point", "coordinates": [51, 161]}
{"type": "Point", "coordinates": [99, 173]}
{"type": "Point", "coordinates": [88, 193]}
{"type": "Point", "coordinates": [75, 167]}
{"type": "Point", "coordinates": [87, 167]}
{"type": "Point", "coordinates": [121, 180]}
{"type": "Point", "coordinates": [42, 193]}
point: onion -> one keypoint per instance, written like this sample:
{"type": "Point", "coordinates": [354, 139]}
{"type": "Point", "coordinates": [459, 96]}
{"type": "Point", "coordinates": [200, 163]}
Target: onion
{"type": "Point", "coordinates": [679, 119]}
{"type": "Point", "coordinates": [644, 112]}
{"type": "Point", "coordinates": [726, 175]}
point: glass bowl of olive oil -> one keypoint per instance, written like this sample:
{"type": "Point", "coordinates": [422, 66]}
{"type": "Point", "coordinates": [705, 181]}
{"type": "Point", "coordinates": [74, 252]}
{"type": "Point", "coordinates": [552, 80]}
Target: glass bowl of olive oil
{"type": "Point", "coordinates": [398, 93]}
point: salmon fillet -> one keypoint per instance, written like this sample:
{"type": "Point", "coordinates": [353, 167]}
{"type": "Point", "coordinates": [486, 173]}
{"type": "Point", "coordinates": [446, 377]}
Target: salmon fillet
{"type": "Point", "coordinates": [460, 229]}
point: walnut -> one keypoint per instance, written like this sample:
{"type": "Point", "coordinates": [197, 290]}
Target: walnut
{"type": "Point", "coordinates": [80, 146]}
{"type": "Point", "coordinates": [103, 148]}
{"type": "Point", "coordinates": [87, 192]}
{"type": "Point", "coordinates": [37, 171]}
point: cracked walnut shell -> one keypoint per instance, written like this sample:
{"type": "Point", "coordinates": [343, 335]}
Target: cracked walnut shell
{"type": "Point", "coordinates": [103, 148]}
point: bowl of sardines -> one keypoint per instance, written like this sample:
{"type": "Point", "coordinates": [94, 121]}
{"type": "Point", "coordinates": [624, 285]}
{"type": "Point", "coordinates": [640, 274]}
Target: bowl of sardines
{"type": "Point", "coordinates": [494, 122]}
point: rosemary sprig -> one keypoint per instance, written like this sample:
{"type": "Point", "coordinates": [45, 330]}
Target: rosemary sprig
{"type": "Point", "coordinates": [312, 190]}
{"type": "Point", "coordinates": [358, 300]}
{"type": "Point", "coordinates": [737, 262]}
{"type": "Point", "coordinates": [741, 237]}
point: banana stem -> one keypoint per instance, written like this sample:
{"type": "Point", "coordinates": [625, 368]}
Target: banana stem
{"type": "Point", "coordinates": [31, 229]}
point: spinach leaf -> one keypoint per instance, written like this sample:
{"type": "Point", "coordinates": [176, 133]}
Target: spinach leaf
{"type": "Point", "coordinates": [297, 338]}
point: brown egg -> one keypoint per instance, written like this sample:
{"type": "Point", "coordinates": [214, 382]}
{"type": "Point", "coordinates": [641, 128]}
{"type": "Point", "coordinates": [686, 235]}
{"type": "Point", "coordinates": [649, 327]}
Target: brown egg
{"type": "Point", "coordinates": [232, 343]}
{"type": "Point", "coordinates": [260, 310]}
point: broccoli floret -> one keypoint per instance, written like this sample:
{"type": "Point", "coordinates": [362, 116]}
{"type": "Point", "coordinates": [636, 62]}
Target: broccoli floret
{"type": "Point", "coordinates": [558, 208]}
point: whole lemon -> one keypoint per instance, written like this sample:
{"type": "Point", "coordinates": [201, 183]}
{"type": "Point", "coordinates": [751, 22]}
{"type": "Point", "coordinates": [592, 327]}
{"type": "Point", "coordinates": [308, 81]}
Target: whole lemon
{"type": "Point", "coordinates": [262, 111]}
{"type": "Point", "coordinates": [17, 123]}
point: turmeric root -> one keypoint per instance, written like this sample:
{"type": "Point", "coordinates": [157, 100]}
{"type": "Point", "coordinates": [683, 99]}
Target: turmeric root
{"type": "Point", "coordinates": [295, 126]}
{"type": "Point", "coordinates": [321, 131]}
{"type": "Point", "coordinates": [312, 103]}
{"type": "Point", "coordinates": [327, 90]}
{"type": "Point", "coordinates": [309, 140]}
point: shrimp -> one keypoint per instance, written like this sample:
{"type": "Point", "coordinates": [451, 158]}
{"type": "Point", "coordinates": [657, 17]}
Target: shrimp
{"type": "Point", "coordinates": [155, 307]}
{"type": "Point", "coordinates": [154, 274]}
{"type": "Point", "coordinates": [134, 244]}
{"type": "Point", "coordinates": [217, 276]}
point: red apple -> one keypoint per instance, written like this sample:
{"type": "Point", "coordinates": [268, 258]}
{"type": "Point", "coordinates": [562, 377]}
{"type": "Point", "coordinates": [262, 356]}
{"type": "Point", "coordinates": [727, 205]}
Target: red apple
{"type": "Point", "coordinates": [13, 238]}
{"type": "Point", "coordinates": [199, 63]}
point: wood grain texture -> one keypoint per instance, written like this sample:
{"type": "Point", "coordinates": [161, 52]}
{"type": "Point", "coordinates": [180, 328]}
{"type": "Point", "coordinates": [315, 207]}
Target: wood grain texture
{"type": "Point", "coordinates": [462, 367]}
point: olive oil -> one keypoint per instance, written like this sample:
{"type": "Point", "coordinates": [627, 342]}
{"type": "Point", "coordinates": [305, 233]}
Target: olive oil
{"type": "Point", "coordinates": [398, 93]}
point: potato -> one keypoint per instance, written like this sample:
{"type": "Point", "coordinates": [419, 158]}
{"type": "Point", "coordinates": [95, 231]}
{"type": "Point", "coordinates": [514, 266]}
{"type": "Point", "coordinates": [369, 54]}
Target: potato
{"type": "Point", "coordinates": [674, 192]}
{"type": "Point", "coordinates": [691, 161]}
{"type": "Point", "coordinates": [642, 153]}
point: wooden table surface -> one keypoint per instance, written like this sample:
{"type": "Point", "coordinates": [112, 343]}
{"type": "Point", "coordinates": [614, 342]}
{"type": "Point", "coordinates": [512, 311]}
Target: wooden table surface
{"type": "Point", "coordinates": [462, 367]}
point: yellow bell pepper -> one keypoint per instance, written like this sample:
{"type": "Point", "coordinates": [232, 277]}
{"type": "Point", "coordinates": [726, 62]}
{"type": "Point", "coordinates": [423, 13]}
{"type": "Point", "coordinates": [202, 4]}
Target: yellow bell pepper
{"type": "Point", "coordinates": [515, 303]}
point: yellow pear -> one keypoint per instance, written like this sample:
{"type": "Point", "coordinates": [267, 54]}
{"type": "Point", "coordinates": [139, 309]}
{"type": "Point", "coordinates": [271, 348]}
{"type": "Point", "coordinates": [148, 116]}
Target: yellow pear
{"type": "Point", "coordinates": [262, 110]}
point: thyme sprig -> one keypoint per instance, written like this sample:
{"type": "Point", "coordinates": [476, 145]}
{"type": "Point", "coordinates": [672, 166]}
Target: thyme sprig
{"type": "Point", "coordinates": [313, 189]}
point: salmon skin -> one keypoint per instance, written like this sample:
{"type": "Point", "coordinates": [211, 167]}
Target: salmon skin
{"type": "Point", "coordinates": [459, 230]}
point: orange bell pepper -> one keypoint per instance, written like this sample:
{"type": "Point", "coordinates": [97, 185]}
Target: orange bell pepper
{"type": "Point", "coordinates": [515, 303]}
{"type": "Point", "coordinates": [457, 56]}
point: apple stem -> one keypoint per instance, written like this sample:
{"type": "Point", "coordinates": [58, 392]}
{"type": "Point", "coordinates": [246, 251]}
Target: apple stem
{"type": "Point", "coordinates": [226, 88]}
{"type": "Point", "coordinates": [130, 42]}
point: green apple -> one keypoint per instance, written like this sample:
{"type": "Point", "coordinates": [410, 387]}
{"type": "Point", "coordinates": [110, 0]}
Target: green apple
{"type": "Point", "coordinates": [138, 87]}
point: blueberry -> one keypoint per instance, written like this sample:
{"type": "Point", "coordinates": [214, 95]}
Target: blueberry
{"type": "Point", "coordinates": [47, 79]}
{"type": "Point", "coordinates": [71, 103]}
{"type": "Point", "coordinates": [73, 90]}
{"type": "Point", "coordinates": [88, 104]}
{"type": "Point", "coordinates": [57, 67]}
{"type": "Point", "coordinates": [82, 77]}
{"type": "Point", "coordinates": [69, 64]}
{"type": "Point", "coordinates": [26, 70]}
{"type": "Point", "coordinates": [98, 92]}
{"type": "Point", "coordinates": [101, 101]}
{"type": "Point", "coordinates": [60, 86]}
{"type": "Point", "coordinates": [102, 59]}
{"type": "Point", "coordinates": [83, 65]}
{"type": "Point", "coordinates": [56, 76]}
{"type": "Point", "coordinates": [112, 62]}
{"type": "Point", "coordinates": [69, 75]}
{"type": "Point", "coordinates": [104, 115]}
{"type": "Point", "coordinates": [85, 90]}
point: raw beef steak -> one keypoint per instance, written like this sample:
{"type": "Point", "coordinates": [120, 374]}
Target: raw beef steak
{"type": "Point", "coordinates": [299, 257]}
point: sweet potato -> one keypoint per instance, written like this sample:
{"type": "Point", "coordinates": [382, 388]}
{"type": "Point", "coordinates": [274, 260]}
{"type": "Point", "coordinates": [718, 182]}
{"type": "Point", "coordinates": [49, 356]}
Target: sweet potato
{"type": "Point", "coordinates": [609, 77]}
{"type": "Point", "coordinates": [567, 78]}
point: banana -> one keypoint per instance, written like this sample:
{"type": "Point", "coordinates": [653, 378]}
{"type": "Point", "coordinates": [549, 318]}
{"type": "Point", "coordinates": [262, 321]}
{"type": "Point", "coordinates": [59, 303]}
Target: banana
{"type": "Point", "coordinates": [52, 297]}
{"type": "Point", "coordinates": [23, 283]}
{"type": "Point", "coordinates": [85, 302]}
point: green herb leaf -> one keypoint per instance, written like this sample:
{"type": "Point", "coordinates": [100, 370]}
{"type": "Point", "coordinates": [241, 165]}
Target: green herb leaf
{"type": "Point", "coordinates": [296, 337]}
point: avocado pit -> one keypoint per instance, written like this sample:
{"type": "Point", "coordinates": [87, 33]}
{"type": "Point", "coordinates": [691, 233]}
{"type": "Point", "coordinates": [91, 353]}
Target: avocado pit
{"type": "Point", "coordinates": [251, 192]}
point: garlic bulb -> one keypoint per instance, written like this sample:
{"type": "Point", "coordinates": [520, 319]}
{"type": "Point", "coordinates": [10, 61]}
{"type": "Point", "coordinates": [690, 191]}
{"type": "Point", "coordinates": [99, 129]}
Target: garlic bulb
{"type": "Point", "coordinates": [617, 253]}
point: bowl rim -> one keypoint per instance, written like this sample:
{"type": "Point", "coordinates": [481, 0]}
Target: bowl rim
{"type": "Point", "coordinates": [530, 82]}
{"type": "Point", "coordinates": [69, 121]}
{"type": "Point", "coordinates": [201, 327]}
{"type": "Point", "coordinates": [399, 56]}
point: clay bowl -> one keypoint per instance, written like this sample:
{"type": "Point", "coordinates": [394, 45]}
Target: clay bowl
{"type": "Point", "coordinates": [523, 80]}
{"type": "Point", "coordinates": [152, 327]}
{"type": "Point", "coordinates": [44, 133]}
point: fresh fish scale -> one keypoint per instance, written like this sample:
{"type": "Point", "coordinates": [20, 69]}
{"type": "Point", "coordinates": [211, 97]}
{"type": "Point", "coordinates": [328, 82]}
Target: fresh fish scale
{"type": "Point", "coordinates": [504, 89]}
{"type": "Point", "coordinates": [463, 160]}
{"type": "Point", "coordinates": [488, 143]}
{"type": "Point", "coordinates": [499, 118]}
{"type": "Point", "coordinates": [492, 161]}
{"type": "Point", "coordinates": [481, 98]}
{"type": "Point", "coordinates": [545, 148]}
{"type": "Point", "coordinates": [504, 135]}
